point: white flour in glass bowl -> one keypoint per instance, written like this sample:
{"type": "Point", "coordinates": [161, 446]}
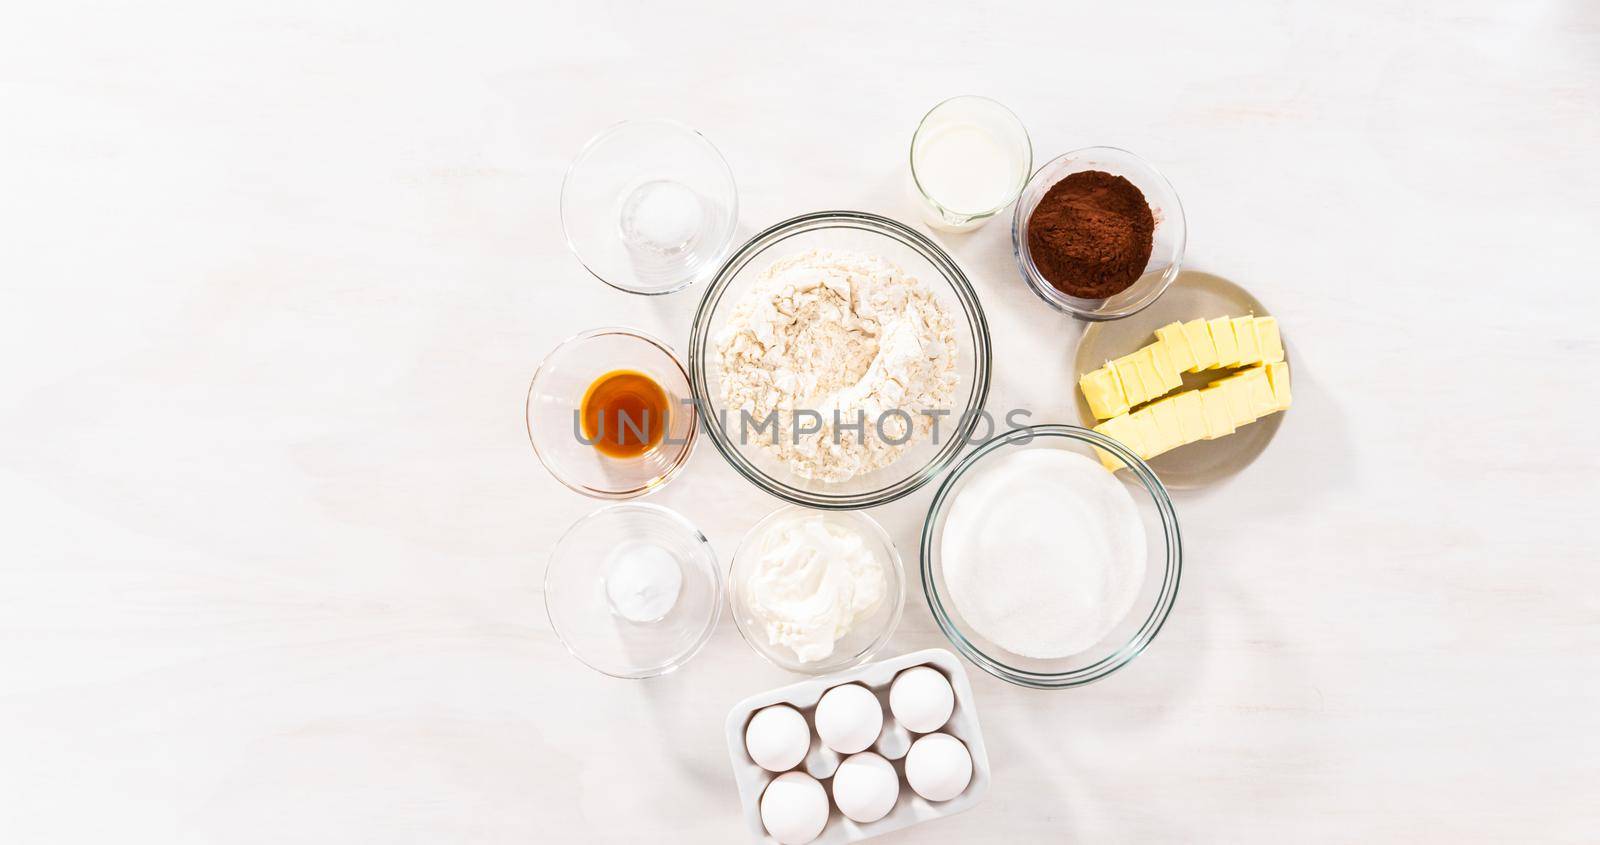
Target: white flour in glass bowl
{"type": "Point", "coordinates": [851, 337]}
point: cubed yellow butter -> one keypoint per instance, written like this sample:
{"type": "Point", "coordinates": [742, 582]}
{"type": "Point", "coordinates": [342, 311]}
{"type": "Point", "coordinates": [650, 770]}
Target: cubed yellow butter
{"type": "Point", "coordinates": [1244, 331]}
{"type": "Point", "coordinates": [1268, 339]}
{"type": "Point", "coordinates": [1278, 377]}
{"type": "Point", "coordinates": [1177, 344]}
{"type": "Point", "coordinates": [1237, 392]}
{"type": "Point", "coordinates": [1219, 421]}
{"type": "Point", "coordinates": [1161, 355]}
{"type": "Point", "coordinates": [1146, 433]}
{"type": "Point", "coordinates": [1127, 368]}
{"type": "Point", "coordinates": [1154, 384]}
{"type": "Point", "coordinates": [1165, 413]}
{"type": "Point", "coordinates": [1227, 346]}
{"type": "Point", "coordinates": [1201, 346]}
{"type": "Point", "coordinates": [1103, 390]}
{"type": "Point", "coordinates": [1122, 429]}
{"type": "Point", "coordinates": [1191, 415]}
{"type": "Point", "coordinates": [1261, 399]}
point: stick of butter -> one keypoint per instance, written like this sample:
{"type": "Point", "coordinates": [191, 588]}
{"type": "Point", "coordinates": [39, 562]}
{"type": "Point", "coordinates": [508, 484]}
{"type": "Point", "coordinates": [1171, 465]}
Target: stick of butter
{"type": "Point", "coordinates": [1154, 383]}
{"type": "Point", "coordinates": [1237, 392]}
{"type": "Point", "coordinates": [1278, 377]}
{"type": "Point", "coordinates": [1244, 331]}
{"type": "Point", "coordinates": [1142, 375]}
{"type": "Point", "coordinates": [1219, 422]}
{"type": "Point", "coordinates": [1103, 389]}
{"type": "Point", "coordinates": [1262, 401]}
{"type": "Point", "coordinates": [1122, 429]}
{"type": "Point", "coordinates": [1177, 343]}
{"type": "Point", "coordinates": [1161, 356]}
{"type": "Point", "coordinates": [1145, 434]}
{"type": "Point", "coordinates": [1155, 370]}
{"type": "Point", "coordinates": [1191, 415]}
{"type": "Point", "coordinates": [1128, 376]}
{"type": "Point", "coordinates": [1165, 414]}
{"type": "Point", "coordinates": [1207, 413]}
{"type": "Point", "coordinates": [1227, 345]}
{"type": "Point", "coordinates": [1269, 340]}
{"type": "Point", "coordinates": [1201, 346]}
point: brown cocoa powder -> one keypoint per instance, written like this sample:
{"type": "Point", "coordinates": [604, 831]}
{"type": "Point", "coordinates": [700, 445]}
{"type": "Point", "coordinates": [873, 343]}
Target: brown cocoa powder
{"type": "Point", "coordinates": [1091, 234]}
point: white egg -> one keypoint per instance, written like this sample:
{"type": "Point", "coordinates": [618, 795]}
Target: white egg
{"type": "Point", "coordinates": [938, 767]}
{"type": "Point", "coordinates": [921, 699]}
{"type": "Point", "coordinates": [849, 718]}
{"type": "Point", "coordinates": [794, 809]}
{"type": "Point", "coordinates": [865, 787]}
{"type": "Point", "coordinates": [777, 738]}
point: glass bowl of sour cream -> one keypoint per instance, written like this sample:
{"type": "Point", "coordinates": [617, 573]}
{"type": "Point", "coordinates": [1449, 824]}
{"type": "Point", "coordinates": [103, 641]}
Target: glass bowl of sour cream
{"type": "Point", "coordinates": [1043, 567]}
{"type": "Point", "coordinates": [816, 591]}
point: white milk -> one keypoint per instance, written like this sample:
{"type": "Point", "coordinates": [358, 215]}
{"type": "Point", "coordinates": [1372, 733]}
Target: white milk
{"type": "Point", "coordinates": [966, 169]}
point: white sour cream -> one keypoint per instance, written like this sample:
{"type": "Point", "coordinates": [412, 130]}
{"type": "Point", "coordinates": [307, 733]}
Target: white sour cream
{"type": "Point", "coordinates": [815, 577]}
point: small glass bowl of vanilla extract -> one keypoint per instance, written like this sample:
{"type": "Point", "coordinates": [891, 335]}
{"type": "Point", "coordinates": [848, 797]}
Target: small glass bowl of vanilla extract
{"type": "Point", "coordinates": [610, 413]}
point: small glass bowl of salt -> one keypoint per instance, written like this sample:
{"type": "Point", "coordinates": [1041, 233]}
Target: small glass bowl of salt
{"type": "Point", "coordinates": [633, 590]}
{"type": "Point", "coordinates": [649, 206]}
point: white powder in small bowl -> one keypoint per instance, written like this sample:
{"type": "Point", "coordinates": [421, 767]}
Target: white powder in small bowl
{"type": "Point", "coordinates": [642, 581]}
{"type": "Point", "coordinates": [1044, 552]}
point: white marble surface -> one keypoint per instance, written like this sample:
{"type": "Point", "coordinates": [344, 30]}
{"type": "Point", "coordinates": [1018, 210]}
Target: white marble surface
{"type": "Point", "coordinates": [275, 275]}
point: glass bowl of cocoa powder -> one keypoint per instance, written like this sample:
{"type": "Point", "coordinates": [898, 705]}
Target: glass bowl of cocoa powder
{"type": "Point", "coordinates": [1098, 233]}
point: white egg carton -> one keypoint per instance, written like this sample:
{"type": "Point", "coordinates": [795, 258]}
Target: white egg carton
{"type": "Point", "coordinates": [892, 743]}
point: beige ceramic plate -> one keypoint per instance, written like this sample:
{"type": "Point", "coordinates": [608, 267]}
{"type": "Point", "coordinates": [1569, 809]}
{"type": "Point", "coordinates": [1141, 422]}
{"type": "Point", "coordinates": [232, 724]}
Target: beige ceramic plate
{"type": "Point", "coordinates": [1192, 295]}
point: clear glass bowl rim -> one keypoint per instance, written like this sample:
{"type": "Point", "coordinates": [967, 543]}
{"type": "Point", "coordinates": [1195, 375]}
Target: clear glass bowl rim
{"type": "Point", "coordinates": [717, 586]}
{"type": "Point", "coordinates": [1073, 305]}
{"type": "Point", "coordinates": [895, 561]}
{"type": "Point", "coordinates": [699, 348]}
{"type": "Point", "coordinates": [1171, 573]}
{"type": "Point", "coordinates": [584, 153]}
{"type": "Point", "coordinates": [595, 493]}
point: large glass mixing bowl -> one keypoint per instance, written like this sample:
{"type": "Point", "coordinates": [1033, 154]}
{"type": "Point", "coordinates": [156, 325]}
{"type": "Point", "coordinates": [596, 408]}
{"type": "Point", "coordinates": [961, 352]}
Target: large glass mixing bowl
{"type": "Point", "coordinates": [868, 234]}
{"type": "Point", "coordinates": [1163, 565]}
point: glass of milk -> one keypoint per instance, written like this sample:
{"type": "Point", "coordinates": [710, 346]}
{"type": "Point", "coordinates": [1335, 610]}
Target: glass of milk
{"type": "Point", "coordinates": [970, 158]}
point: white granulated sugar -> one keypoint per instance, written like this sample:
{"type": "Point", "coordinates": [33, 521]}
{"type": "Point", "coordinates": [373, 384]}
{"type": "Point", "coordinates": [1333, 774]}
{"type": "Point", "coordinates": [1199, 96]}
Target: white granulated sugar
{"type": "Point", "coordinates": [1044, 552]}
{"type": "Point", "coordinates": [838, 332]}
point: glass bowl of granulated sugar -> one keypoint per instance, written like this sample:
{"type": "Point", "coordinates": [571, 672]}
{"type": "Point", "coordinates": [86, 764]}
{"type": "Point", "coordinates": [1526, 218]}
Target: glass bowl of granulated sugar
{"type": "Point", "coordinates": [1045, 568]}
{"type": "Point", "coordinates": [840, 360]}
